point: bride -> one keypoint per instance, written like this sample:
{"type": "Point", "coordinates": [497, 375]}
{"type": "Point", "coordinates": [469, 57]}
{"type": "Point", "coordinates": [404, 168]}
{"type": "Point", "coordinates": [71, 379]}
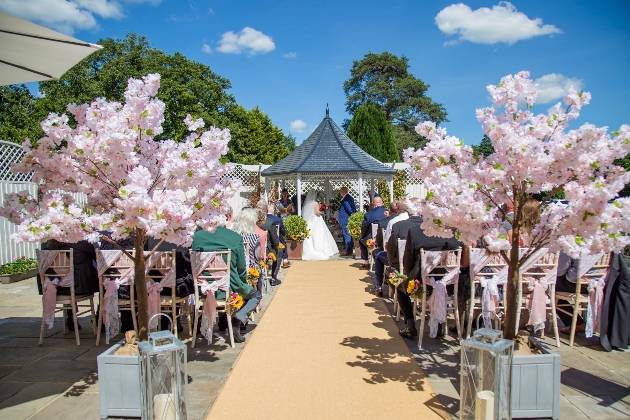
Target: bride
{"type": "Point", "coordinates": [320, 245]}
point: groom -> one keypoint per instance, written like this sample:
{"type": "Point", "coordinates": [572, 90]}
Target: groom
{"type": "Point", "coordinates": [346, 208]}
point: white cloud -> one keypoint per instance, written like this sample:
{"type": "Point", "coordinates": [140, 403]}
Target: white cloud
{"type": "Point", "coordinates": [210, 12]}
{"type": "Point", "coordinates": [206, 48]}
{"type": "Point", "coordinates": [502, 23]}
{"type": "Point", "coordinates": [249, 40]}
{"type": "Point", "coordinates": [297, 126]}
{"type": "Point", "coordinates": [290, 55]}
{"type": "Point", "coordinates": [68, 15]}
{"type": "Point", "coordinates": [554, 86]}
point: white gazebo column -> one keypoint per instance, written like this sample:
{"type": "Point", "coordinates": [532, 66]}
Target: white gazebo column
{"type": "Point", "coordinates": [360, 192]}
{"type": "Point", "coordinates": [327, 189]}
{"type": "Point", "coordinates": [299, 194]}
{"type": "Point", "coordinates": [391, 188]}
{"type": "Point", "coordinates": [372, 187]}
{"type": "Point", "coordinates": [266, 190]}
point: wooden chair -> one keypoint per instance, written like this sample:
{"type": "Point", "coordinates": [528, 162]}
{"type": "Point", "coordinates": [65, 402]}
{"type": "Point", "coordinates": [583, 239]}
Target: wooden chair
{"type": "Point", "coordinates": [164, 263]}
{"type": "Point", "coordinates": [544, 266]}
{"type": "Point", "coordinates": [577, 300]}
{"type": "Point", "coordinates": [481, 259]}
{"type": "Point", "coordinates": [247, 250]}
{"type": "Point", "coordinates": [370, 254]}
{"type": "Point", "coordinates": [209, 267]}
{"type": "Point", "coordinates": [448, 261]}
{"type": "Point", "coordinates": [56, 269]}
{"type": "Point", "coordinates": [401, 243]}
{"type": "Point", "coordinates": [114, 267]}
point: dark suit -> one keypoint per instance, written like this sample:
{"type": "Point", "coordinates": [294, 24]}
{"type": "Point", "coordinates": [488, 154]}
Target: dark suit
{"type": "Point", "coordinates": [400, 231]}
{"type": "Point", "coordinates": [379, 234]}
{"type": "Point", "coordinates": [346, 209]}
{"type": "Point", "coordinates": [372, 216]}
{"type": "Point", "coordinates": [417, 240]}
{"type": "Point", "coordinates": [222, 239]}
{"type": "Point", "coordinates": [280, 254]}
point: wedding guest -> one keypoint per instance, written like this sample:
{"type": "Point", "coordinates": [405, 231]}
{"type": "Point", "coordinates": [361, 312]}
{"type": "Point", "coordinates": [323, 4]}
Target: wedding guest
{"type": "Point", "coordinates": [400, 231]}
{"type": "Point", "coordinates": [245, 225]}
{"type": "Point", "coordinates": [273, 240]}
{"type": "Point", "coordinates": [346, 209]}
{"type": "Point", "coordinates": [381, 258]}
{"type": "Point", "coordinates": [223, 239]}
{"type": "Point", "coordinates": [295, 203]}
{"type": "Point", "coordinates": [530, 217]}
{"type": "Point", "coordinates": [262, 233]}
{"type": "Point", "coordinates": [284, 206]}
{"type": "Point", "coordinates": [373, 216]}
{"type": "Point", "coordinates": [417, 240]}
{"type": "Point", "coordinates": [230, 218]}
{"type": "Point", "coordinates": [281, 253]}
{"type": "Point", "coordinates": [402, 215]}
{"type": "Point", "coordinates": [391, 213]}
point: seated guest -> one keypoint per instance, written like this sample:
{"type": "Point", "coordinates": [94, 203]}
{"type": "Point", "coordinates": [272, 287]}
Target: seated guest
{"type": "Point", "coordinates": [380, 256]}
{"type": "Point", "coordinates": [373, 216]}
{"type": "Point", "coordinates": [284, 206]}
{"type": "Point", "coordinates": [530, 217]}
{"type": "Point", "coordinates": [272, 227]}
{"type": "Point", "coordinates": [281, 238]}
{"type": "Point", "coordinates": [245, 225]}
{"type": "Point", "coordinates": [230, 218]}
{"type": "Point", "coordinates": [85, 274]}
{"type": "Point", "coordinates": [402, 215]}
{"type": "Point", "coordinates": [221, 240]}
{"type": "Point", "coordinates": [400, 231]}
{"type": "Point", "coordinates": [262, 233]}
{"type": "Point", "coordinates": [417, 240]}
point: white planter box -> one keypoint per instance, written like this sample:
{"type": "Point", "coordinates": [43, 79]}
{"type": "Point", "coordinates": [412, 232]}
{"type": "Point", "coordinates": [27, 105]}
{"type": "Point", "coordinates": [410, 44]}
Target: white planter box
{"type": "Point", "coordinates": [536, 384]}
{"type": "Point", "coordinates": [119, 384]}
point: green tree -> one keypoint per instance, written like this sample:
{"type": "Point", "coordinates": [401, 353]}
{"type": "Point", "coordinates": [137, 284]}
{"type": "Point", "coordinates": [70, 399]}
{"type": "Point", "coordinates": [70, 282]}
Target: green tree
{"type": "Point", "coordinates": [384, 80]}
{"type": "Point", "coordinates": [371, 131]}
{"type": "Point", "coordinates": [290, 142]}
{"type": "Point", "coordinates": [254, 138]}
{"type": "Point", "coordinates": [625, 162]}
{"type": "Point", "coordinates": [484, 148]}
{"type": "Point", "coordinates": [18, 115]}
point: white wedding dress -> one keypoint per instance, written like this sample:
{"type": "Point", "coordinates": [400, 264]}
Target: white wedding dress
{"type": "Point", "coordinates": [320, 245]}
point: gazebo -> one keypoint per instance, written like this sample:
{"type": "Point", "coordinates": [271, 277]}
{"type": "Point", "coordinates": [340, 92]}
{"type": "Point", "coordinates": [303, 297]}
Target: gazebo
{"type": "Point", "coordinates": [330, 158]}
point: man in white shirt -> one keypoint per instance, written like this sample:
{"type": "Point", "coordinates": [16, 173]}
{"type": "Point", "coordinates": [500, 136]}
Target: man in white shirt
{"type": "Point", "coordinates": [402, 215]}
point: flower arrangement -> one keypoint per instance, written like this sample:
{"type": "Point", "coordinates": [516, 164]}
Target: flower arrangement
{"type": "Point", "coordinates": [235, 301]}
{"type": "Point", "coordinates": [414, 289]}
{"type": "Point", "coordinates": [324, 207]}
{"type": "Point", "coordinates": [252, 277]}
{"type": "Point", "coordinates": [281, 246]}
{"type": "Point", "coordinates": [20, 265]}
{"type": "Point", "coordinates": [396, 277]}
{"type": "Point", "coordinates": [370, 243]}
{"type": "Point", "coordinates": [296, 227]}
{"type": "Point", "coordinates": [332, 221]}
{"type": "Point", "coordinates": [268, 259]}
{"type": "Point", "coordinates": [354, 224]}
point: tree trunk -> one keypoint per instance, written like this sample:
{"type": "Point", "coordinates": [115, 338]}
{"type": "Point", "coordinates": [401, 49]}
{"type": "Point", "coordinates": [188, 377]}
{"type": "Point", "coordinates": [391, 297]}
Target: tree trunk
{"type": "Point", "coordinates": [512, 289]}
{"type": "Point", "coordinates": [141, 287]}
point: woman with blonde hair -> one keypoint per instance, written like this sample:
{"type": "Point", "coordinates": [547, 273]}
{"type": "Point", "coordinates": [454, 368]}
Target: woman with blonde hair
{"type": "Point", "coordinates": [530, 217]}
{"type": "Point", "coordinates": [245, 225]}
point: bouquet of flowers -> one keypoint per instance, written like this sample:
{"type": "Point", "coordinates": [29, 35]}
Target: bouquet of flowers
{"type": "Point", "coordinates": [396, 277]}
{"type": "Point", "coordinates": [297, 229]}
{"type": "Point", "coordinates": [414, 289]}
{"type": "Point", "coordinates": [269, 259]}
{"type": "Point", "coordinates": [235, 301]}
{"type": "Point", "coordinates": [332, 221]}
{"type": "Point", "coordinates": [354, 224]}
{"type": "Point", "coordinates": [324, 207]}
{"type": "Point", "coordinates": [370, 243]}
{"type": "Point", "coordinates": [281, 245]}
{"type": "Point", "coordinates": [252, 277]}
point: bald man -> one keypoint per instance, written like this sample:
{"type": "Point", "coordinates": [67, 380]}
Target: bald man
{"type": "Point", "coordinates": [373, 216]}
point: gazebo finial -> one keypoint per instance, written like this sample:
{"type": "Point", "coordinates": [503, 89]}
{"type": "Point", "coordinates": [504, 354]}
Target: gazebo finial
{"type": "Point", "coordinates": [326, 110]}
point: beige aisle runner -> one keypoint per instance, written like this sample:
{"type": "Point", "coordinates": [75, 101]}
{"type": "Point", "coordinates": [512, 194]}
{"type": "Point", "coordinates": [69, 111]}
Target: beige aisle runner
{"type": "Point", "coordinates": [326, 349]}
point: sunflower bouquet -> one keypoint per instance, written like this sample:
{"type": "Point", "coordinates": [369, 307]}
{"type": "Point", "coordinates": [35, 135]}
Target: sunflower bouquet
{"type": "Point", "coordinates": [354, 224]}
{"type": "Point", "coordinates": [281, 246]}
{"type": "Point", "coordinates": [296, 227]}
{"type": "Point", "coordinates": [235, 301]}
{"type": "Point", "coordinates": [252, 277]}
{"type": "Point", "coordinates": [370, 242]}
{"type": "Point", "coordinates": [269, 259]}
{"type": "Point", "coordinates": [414, 289]}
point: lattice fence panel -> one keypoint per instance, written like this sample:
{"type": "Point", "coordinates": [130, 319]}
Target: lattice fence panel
{"type": "Point", "coordinates": [11, 153]}
{"type": "Point", "coordinates": [248, 177]}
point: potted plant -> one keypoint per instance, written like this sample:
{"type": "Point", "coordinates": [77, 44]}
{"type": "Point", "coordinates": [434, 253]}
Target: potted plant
{"type": "Point", "coordinates": [470, 195]}
{"type": "Point", "coordinates": [297, 231]}
{"type": "Point", "coordinates": [354, 227]}
{"type": "Point", "coordinates": [21, 269]}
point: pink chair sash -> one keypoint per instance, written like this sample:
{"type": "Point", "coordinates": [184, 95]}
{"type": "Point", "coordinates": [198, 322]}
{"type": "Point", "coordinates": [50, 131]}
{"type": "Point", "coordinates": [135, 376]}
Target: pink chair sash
{"type": "Point", "coordinates": [479, 258]}
{"type": "Point", "coordinates": [49, 288]}
{"type": "Point", "coordinates": [437, 301]}
{"type": "Point", "coordinates": [199, 262]}
{"type": "Point", "coordinates": [104, 260]}
{"type": "Point", "coordinates": [154, 288]}
{"type": "Point", "coordinates": [595, 292]}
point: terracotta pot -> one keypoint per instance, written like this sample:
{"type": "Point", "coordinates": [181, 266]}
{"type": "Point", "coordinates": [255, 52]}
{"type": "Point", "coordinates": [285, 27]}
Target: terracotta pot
{"type": "Point", "coordinates": [294, 250]}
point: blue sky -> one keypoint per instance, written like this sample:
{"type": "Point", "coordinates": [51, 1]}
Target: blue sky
{"type": "Point", "coordinates": [292, 57]}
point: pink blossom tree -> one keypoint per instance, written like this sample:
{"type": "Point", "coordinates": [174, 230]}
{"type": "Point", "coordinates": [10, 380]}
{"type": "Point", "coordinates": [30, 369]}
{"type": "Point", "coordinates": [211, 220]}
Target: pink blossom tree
{"type": "Point", "coordinates": [535, 154]}
{"type": "Point", "coordinates": [134, 183]}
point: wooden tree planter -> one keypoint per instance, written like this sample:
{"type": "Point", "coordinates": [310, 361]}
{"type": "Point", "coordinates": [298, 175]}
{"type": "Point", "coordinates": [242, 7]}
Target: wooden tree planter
{"type": "Point", "coordinates": [357, 250]}
{"type": "Point", "coordinates": [12, 278]}
{"type": "Point", "coordinates": [536, 384]}
{"type": "Point", "coordinates": [118, 384]}
{"type": "Point", "coordinates": [294, 250]}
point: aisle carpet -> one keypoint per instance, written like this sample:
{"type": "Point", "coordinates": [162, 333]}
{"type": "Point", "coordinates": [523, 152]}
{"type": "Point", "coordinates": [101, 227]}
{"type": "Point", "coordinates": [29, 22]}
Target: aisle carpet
{"type": "Point", "coordinates": [326, 349]}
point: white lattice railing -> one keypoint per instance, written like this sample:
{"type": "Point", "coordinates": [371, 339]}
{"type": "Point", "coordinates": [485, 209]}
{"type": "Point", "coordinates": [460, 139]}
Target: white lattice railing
{"type": "Point", "coordinates": [11, 153]}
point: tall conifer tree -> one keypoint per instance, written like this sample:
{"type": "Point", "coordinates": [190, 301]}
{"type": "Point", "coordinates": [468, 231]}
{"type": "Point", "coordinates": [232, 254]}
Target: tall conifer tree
{"type": "Point", "coordinates": [371, 131]}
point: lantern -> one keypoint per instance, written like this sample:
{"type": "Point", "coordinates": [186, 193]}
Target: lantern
{"type": "Point", "coordinates": [486, 366]}
{"type": "Point", "coordinates": [163, 377]}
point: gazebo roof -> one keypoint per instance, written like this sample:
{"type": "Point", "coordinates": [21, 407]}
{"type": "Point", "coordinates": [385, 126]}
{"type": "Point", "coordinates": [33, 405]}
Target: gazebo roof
{"type": "Point", "coordinates": [328, 150]}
